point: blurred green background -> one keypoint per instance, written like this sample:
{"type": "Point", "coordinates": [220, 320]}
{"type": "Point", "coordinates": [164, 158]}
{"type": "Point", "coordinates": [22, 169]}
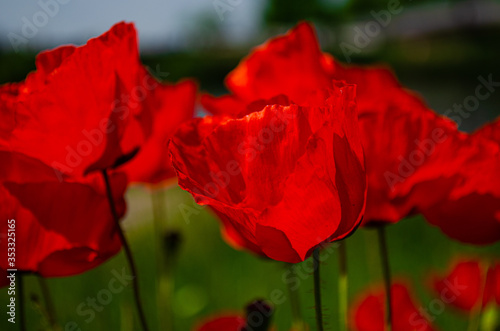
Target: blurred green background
{"type": "Point", "coordinates": [438, 48]}
{"type": "Point", "coordinates": [210, 277]}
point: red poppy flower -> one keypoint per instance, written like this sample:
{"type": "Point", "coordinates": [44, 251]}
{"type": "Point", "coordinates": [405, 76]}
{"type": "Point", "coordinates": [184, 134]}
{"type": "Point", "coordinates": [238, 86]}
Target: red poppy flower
{"type": "Point", "coordinates": [468, 283]}
{"type": "Point", "coordinates": [4, 281]}
{"type": "Point", "coordinates": [369, 313]}
{"type": "Point", "coordinates": [80, 110]}
{"type": "Point", "coordinates": [233, 237]}
{"type": "Point", "coordinates": [285, 178]}
{"type": "Point", "coordinates": [258, 315]}
{"type": "Point", "coordinates": [83, 109]}
{"type": "Point", "coordinates": [470, 209]}
{"type": "Point", "coordinates": [61, 227]}
{"type": "Point", "coordinates": [8, 95]}
{"type": "Point", "coordinates": [169, 105]}
{"type": "Point", "coordinates": [229, 322]}
{"type": "Point", "coordinates": [490, 131]}
{"type": "Point", "coordinates": [291, 66]}
{"type": "Point", "coordinates": [397, 130]}
{"type": "Point", "coordinates": [407, 146]}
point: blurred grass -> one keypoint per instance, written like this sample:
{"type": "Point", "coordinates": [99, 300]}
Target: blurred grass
{"type": "Point", "coordinates": [211, 277]}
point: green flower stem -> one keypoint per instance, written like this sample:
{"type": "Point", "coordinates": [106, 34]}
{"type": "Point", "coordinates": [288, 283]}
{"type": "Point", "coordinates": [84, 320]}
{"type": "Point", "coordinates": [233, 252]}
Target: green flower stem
{"type": "Point", "coordinates": [476, 313]}
{"type": "Point", "coordinates": [128, 253]}
{"type": "Point", "coordinates": [21, 303]}
{"type": "Point", "coordinates": [386, 272]}
{"type": "Point", "coordinates": [343, 294]}
{"type": "Point", "coordinates": [297, 319]}
{"type": "Point", "coordinates": [317, 291]}
{"type": "Point", "coordinates": [49, 303]}
{"type": "Point", "coordinates": [164, 279]}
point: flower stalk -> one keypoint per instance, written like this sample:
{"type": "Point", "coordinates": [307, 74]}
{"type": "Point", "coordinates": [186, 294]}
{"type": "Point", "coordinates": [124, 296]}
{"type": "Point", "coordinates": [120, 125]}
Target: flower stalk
{"type": "Point", "coordinates": [343, 293]}
{"type": "Point", "coordinates": [317, 290]}
{"type": "Point", "coordinates": [49, 303]}
{"type": "Point", "coordinates": [20, 298]}
{"type": "Point", "coordinates": [164, 277]}
{"type": "Point", "coordinates": [128, 253]}
{"type": "Point", "coordinates": [386, 273]}
{"type": "Point", "coordinates": [297, 319]}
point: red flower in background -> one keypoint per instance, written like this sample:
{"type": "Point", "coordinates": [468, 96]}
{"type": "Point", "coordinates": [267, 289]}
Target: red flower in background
{"type": "Point", "coordinates": [470, 209]}
{"type": "Point", "coordinates": [61, 228]}
{"type": "Point", "coordinates": [490, 131]}
{"type": "Point", "coordinates": [4, 281]}
{"type": "Point", "coordinates": [169, 105]}
{"type": "Point", "coordinates": [468, 284]}
{"type": "Point", "coordinates": [283, 179]}
{"type": "Point", "coordinates": [402, 138]}
{"type": "Point", "coordinates": [258, 316]}
{"type": "Point", "coordinates": [65, 120]}
{"type": "Point", "coordinates": [229, 322]}
{"type": "Point", "coordinates": [290, 65]}
{"type": "Point", "coordinates": [85, 108]}
{"type": "Point", "coordinates": [369, 313]}
{"type": "Point", "coordinates": [81, 109]}
{"type": "Point", "coordinates": [404, 146]}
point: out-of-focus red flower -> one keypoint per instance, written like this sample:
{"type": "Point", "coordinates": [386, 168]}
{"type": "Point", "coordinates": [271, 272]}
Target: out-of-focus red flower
{"type": "Point", "coordinates": [61, 227]}
{"type": "Point", "coordinates": [402, 138]}
{"type": "Point", "coordinates": [227, 322]}
{"type": "Point", "coordinates": [4, 281]}
{"type": "Point", "coordinates": [492, 286]}
{"type": "Point", "coordinates": [490, 131]}
{"type": "Point", "coordinates": [294, 61]}
{"type": "Point", "coordinates": [468, 284]}
{"type": "Point", "coordinates": [404, 146]}
{"type": "Point", "coordinates": [85, 109]}
{"type": "Point", "coordinates": [470, 209]}
{"type": "Point", "coordinates": [285, 178]}
{"type": "Point", "coordinates": [368, 314]}
{"type": "Point", "coordinates": [169, 105]}
{"type": "Point", "coordinates": [258, 316]}
{"type": "Point", "coordinates": [81, 109]}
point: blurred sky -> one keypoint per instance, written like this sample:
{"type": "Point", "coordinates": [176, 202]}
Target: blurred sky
{"type": "Point", "coordinates": [162, 24]}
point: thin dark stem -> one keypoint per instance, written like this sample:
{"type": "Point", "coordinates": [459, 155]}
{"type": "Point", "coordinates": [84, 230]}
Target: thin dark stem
{"type": "Point", "coordinates": [128, 253]}
{"type": "Point", "coordinates": [297, 320]}
{"type": "Point", "coordinates": [476, 313]}
{"type": "Point", "coordinates": [343, 294]}
{"type": "Point", "coordinates": [164, 279]}
{"type": "Point", "coordinates": [317, 291]}
{"type": "Point", "coordinates": [20, 298]}
{"type": "Point", "coordinates": [386, 271]}
{"type": "Point", "coordinates": [49, 304]}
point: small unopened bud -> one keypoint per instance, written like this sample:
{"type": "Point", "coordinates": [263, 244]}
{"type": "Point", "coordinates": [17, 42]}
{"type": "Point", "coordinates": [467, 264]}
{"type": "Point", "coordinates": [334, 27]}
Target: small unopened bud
{"type": "Point", "coordinates": [171, 242]}
{"type": "Point", "coordinates": [34, 299]}
{"type": "Point", "coordinates": [259, 314]}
